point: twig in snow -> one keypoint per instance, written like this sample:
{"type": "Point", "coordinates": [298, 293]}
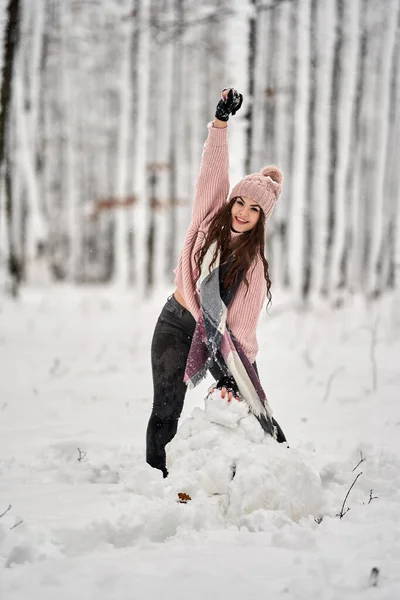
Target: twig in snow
{"type": "Point", "coordinates": [6, 511]}
{"type": "Point", "coordinates": [16, 524]}
{"type": "Point", "coordinates": [341, 514]}
{"type": "Point", "coordinates": [329, 383]}
{"type": "Point", "coordinates": [362, 459]}
{"type": "Point", "coordinates": [371, 497]}
{"type": "Point", "coordinates": [374, 577]}
{"type": "Point", "coordinates": [319, 520]}
{"type": "Point", "coordinates": [81, 455]}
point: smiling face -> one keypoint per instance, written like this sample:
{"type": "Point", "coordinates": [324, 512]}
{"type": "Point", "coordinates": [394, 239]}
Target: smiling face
{"type": "Point", "coordinates": [245, 214]}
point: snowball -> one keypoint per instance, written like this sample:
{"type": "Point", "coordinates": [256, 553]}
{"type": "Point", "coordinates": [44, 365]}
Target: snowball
{"type": "Point", "coordinates": [218, 410]}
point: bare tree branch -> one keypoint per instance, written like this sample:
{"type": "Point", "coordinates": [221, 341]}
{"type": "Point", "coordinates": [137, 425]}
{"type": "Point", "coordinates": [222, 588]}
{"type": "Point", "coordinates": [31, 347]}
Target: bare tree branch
{"type": "Point", "coordinates": [371, 497]}
{"type": "Point", "coordinates": [319, 520]}
{"type": "Point", "coordinates": [82, 455]}
{"type": "Point", "coordinates": [341, 514]}
{"type": "Point", "coordinates": [362, 459]}
{"type": "Point", "coordinates": [6, 511]}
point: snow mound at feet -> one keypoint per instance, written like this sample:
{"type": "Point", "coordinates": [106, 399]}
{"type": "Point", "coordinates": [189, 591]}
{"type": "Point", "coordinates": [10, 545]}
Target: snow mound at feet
{"type": "Point", "coordinates": [221, 476]}
{"type": "Point", "coordinates": [222, 451]}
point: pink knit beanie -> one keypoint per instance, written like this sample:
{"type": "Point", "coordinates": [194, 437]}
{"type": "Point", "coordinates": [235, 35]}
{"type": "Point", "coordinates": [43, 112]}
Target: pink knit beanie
{"type": "Point", "coordinates": [264, 187]}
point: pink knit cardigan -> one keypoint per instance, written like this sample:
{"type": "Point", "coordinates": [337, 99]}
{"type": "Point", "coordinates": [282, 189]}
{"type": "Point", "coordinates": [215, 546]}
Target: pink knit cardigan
{"type": "Point", "coordinates": [212, 190]}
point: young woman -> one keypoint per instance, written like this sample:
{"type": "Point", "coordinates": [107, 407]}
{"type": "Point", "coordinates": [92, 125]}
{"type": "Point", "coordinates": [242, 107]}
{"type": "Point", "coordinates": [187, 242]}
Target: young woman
{"type": "Point", "coordinates": [222, 281]}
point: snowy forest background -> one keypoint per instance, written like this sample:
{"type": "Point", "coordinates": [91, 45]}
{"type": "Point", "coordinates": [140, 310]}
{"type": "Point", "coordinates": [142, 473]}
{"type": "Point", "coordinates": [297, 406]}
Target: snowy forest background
{"type": "Point", "coordinates": [104, 106]}
{"type": "Point", "coordinates": [103, 113]}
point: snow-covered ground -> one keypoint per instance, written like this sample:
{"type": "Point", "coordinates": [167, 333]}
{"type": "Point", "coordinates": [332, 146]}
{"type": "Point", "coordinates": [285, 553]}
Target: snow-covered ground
{"type": "Point", "coordinates": [75, 396]}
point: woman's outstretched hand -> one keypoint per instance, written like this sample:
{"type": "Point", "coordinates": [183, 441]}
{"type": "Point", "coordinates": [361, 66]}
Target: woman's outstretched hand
{"type": "Point", "coordinates": [229, 104]}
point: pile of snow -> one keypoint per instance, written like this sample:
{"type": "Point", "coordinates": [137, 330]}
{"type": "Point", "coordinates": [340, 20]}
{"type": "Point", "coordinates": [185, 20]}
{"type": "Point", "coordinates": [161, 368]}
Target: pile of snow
{"type": "Point", "coordinates": [223, 451]}
{"type": "Point", "coordinates": [230, 471]}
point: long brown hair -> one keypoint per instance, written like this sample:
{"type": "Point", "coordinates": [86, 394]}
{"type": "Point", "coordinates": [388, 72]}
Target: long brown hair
{"type": "Point", "coordinates": [244, 249]}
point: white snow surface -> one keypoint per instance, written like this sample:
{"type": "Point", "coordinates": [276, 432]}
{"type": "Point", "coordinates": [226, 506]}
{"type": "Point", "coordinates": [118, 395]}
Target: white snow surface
{"type": "Point", "coordinates": [88, 517]}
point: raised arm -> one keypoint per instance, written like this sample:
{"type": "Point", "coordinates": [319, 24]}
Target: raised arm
{"type": "Point", "coordinates": [212, 186]}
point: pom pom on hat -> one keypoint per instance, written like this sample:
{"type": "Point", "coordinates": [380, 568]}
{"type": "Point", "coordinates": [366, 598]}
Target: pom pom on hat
{"type": "Point", "coordinates": [273, 172]}
{"type": "Point", "coordinates": [264, 188]}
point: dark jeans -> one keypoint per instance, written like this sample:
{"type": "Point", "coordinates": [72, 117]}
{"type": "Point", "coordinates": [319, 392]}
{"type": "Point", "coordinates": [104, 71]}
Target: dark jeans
{"type": "Point", "coordinates": [169, 351]}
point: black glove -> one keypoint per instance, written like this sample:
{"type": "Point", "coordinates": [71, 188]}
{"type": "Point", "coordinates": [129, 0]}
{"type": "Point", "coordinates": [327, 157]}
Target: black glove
{"type": "Point", "coordinates": [230, 106]}
{"type": "Point", "coordinates": [230, 384]}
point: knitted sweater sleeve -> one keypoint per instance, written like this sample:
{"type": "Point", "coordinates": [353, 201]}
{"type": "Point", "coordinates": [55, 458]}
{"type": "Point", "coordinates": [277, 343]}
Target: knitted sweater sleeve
{"type": "Point", "coordinates": [245, 310]}
{"type": "Point", "coordinates": [212, 186]}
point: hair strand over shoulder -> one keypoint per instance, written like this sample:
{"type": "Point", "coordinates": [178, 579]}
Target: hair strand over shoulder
{"type": "Point", "coordinates": [244, 249]}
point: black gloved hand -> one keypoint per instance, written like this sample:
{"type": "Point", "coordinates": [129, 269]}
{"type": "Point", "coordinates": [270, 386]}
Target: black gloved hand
{"type": "Point", "coordinates": [229, 104]}
{"type": "Point", "coordinates": [230, 384]}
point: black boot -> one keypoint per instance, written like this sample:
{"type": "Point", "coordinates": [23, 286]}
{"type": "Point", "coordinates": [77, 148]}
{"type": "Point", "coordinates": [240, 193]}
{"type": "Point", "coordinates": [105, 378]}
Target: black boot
{"type": "Point", "coordinates": [159, 433]}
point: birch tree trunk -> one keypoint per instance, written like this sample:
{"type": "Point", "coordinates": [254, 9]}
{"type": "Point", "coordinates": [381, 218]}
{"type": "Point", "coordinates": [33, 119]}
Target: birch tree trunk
{"type": "Point", "coordinates": [309, 190]}
{"type": "Point", "coordinates": [28, 116]}
{"type": "Point", "coordinates": [121, 267]}
{"type": "Point", "coordinates": [386, 37]}
{"type": "Point", "coordinates": [317, 169]}
{"type": "Point", "coordinates": [42, 132]}
{"type": "Point", "coordinates": [389, 257]}
{"type": "Point", "coordinates": [281, 87]}
{"type": "Point", "coordinates": [334, 142]}
{"type": "Point", "coordinates": [70, 191]}
{"type": "Point", "coordinates": [258, 83]}
{"type": "Point", "coordinates": [251, 66]}
{"type": "Point", "coordinates": [134, 148]}
{"type": "Point", "coordinates": [55, 151]}
{"type": "Point", "coordinates": [367, 188]}
{"type": "Point", "coordinates": [152, 140]}
{"type": "Point", "coordinates": [175, 124]}
{"type": "Point", "coordinates": [14, 259]}
{"type": "Point", "coordinates": [289, 189]}
{"type": "Point", "coordinates": [234, 35]}
{"type": "Point", "coordinates": [11, 42]}
{"type": "Point", "coordinates": [350, 256]}
{"type": "Point", "coordinates": [271, 90]}
{"type": "Point", "coordinates": [141, 156]}
{"type": "Point", "coordinates": [300, 147]}
{"type": "Point", "coordinates": [343, 141]}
